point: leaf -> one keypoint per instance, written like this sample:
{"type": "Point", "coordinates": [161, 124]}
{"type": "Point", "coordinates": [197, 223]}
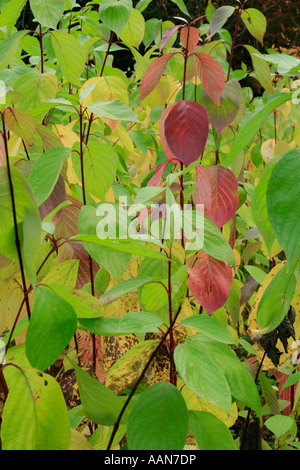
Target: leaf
{"type": "Point", "coordinates": [98, 159]}
{"type": "Point", "coordinates": [23, 125]}
{"type": "Point", "coordinates": [123, 288]}
{"type": "Point", "coordinates": [219, 18]}
{"type": "Point", "coordinates": [153, 74]}
{"type": "Point", "coordinates": [168, 34]}
{"type": "Point", "coordinates": [84, 304]}
{"type": "Point", "coordinates": [189, 37]}
{"type": "Point", "coordinates": [256, 23]}
{"type": "Point", "coordinates": [208, 326]}
{"type": "Point", "coordinates": [161, 410]}
{"type": "Point", "coordinates": [277, 296]}
{"type": "Point", "coordinates": [170, 156]}
{"type": "Point", "coordinates": [100, 404]}
{"type": "Point", "coordinates": [210, 282]}
{"type": "Point", "coordinates": [45, 171]}
{"type": "Point", "coordinates": [138, 323]}
{"type": "Point", "coordinates": [210, 432]}
{"type": "Point", "coordinates": [181, 5]}
{"type": "Point", "coordinates": [47, 12]}
{"type": "Point", "coordinates": [253, 123]}
{"type": "Point", "coordinates": [35, 415]}
{"type": "Point", "coordinates": [26, 209]}
{"type": "Point", "coordinates": [283, 203]}
{"type": "Point", "coordinates": [211, 75]}
{"type": "Point", "coordinates": [134, 30]}
{"type": "Point", "coordinates": [286, 63]}
{"type": "Point", "coordinates": [261, 70]}
{"type": "Point", "coordinates": [69, 55]}
{"type": "Point", "coordinates": [241, 383]}
{"type": "Point", "coordinates": [230, 102]}
{"type": "Point", "coordinates": [259, 205]}
{"type": "Point", "coordinates": [115, 110]}
{"type": "Point", "coordinates": [9, 47]}
{"type": "Point", "coordinates": [186, 130]}
{"type": "Point", "coordinates": [200, 373]}
{"type": "Point", "coordinates": [52, 325]}
{"type": "Point", "coordinates": [279, 424]}
{"type": "Point", "coordinates": [215, 244]}
{"type": "Point", "coordinates": [127, 368]}
{"type": "Point", "coordinates": [257, 273]}
{"type": "Point", "coordinates": [35, 88]}
{"type": "Point", "coordinates": [115, 14]}
{"type": "Point", "coordinates": [10, 13]}
{"type": "Point", "coordinates": [128, 245]}
{"type": "Point", "coordinates": [217, 190]}
{"type": "Point", "coordinates": [113, 261]}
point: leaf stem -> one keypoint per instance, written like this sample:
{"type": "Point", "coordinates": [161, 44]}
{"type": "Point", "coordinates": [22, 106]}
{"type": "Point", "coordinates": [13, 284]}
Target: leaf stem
{"type": "Point", "coordinates": [14, 211]}
{"type": "Point", "coordinates": [133, 390]}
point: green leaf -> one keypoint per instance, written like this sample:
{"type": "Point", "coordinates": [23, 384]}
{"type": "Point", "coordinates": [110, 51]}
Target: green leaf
{"type": "Point", "coordinates": [26, 209]}
{"type": "Point", "coordinates": [259, 205]}
{"type": "Point", "coordinates": [200, 373]}
{"type": "Point", "coordinates": [47, 12]}
{"type": "Point", "coordinates": [100, 404]}
{"type": "Point", "coordinates": [98, 159]}
{"type": "Point", "coordinates": [253, 123]}
{"type": "Point", "coordinates": [283, 203]}
{"type": "Point", "coordinates": [52, 325]}
{"type": "Point", "coordinates": [256, 23]}
{"type": "Point", "coordinates": [279, 424]}
{"type": "Point", "coordinates": [35, 415]}
{"type": "Point", "coordinates": [138, 323]}
{"type": "Point", "coordinates": [123, 288]}
{"type": "Point", "coordinates": [84, 304]}
{"type": "Point", "coordinates": [69, 55]}
{"type": "Point", "coordinates": [35, 88]}
{"type": "Point", "coordinates": [161, 412]}
{"type": "Point", "coordinates": [45, 171]}
{"type": "Point", "coordinates": [257, 273]}
{"type": "Point", "coordinates": [115, 14]}
{"type": "Point", "coordinates": [115, 110]}
{"type": "Point", "coordinates": [277, 297]}
{"type": "Point", "coordinates": [134, 30]}
{"type": "Point", "coordinates": [286, 63]}
{"type": "Point", "coordinates": [10, 13]}
{"type": "Point", "coordinates": [20, 123]}
{"type": "Point", "coordinates": [208, 326]}
{"type": "Point", "coordinates": [261, 70]}
{"type": "Point", "coordinates": [113, 261]}
{"type": "Point", "coordinates": [127, 245]}
{"type": "Point", "coordinates": [9, 47]}
{"type": "Point", "coordinates": [210, 432]}
{"type": "Point", "coordinates": [181, 5]}
{"type": "Point", "coordinates": [215, 244]}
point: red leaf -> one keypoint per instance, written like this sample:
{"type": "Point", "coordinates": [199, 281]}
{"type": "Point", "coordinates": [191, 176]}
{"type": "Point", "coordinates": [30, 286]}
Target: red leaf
{"type": "Point", "coordinates": [170, 156]}
{"type": "Point", "coordinates": [287, 394]}
{"type": "Point", "coordinates": [189, 37]}
{"type": "Point", "coordinates": [186, 130]}
{"type": "Point", "coordinates": [156, 179]}
{"type": "Point", "coordinates": [217, 189]}
{"type": "Point", "coordinates": [210, 282]}
{"type": "Point", "coordinates": [211, 75]}
{"type": "Point", "coordinates": [168, 34]}
{"type": "Point", "coordinates": [153, 74]}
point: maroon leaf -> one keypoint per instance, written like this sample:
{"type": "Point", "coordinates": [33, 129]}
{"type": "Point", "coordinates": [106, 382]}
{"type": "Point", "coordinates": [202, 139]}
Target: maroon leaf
{"type": "Point", "coordinates": [189, 37]}
{"type": "Point", "coordinates": [221, 201]}
{"type": "Point", "coordinates": [211, 75]}
{"type": "Point", "coordinates": [66, 227]}
{"type": "Point", "coordinates": [168, 34]}
{"type": "Point", "coordinates": [186, 130]}
{"type": "Point", "coordinates": [170, 155]}
{"type": "Point", "coordinates": [210, 282]}
{"type": "Point", "coordinates": [153, 74]}
{"type": "Point", "coordinates": [221, 116]}
{"type": "Point", "coordinates": [57, 196]}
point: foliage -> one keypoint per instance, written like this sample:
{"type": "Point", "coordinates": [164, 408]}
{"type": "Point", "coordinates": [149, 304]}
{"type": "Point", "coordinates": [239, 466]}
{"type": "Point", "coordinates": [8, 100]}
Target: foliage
{"type": "Point", "coordinates": [149, 248]}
